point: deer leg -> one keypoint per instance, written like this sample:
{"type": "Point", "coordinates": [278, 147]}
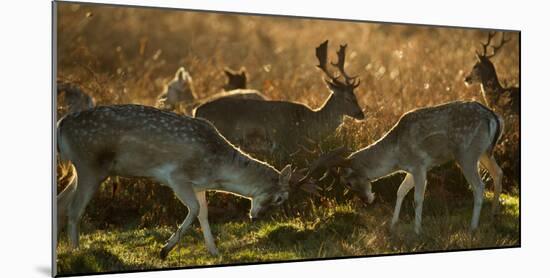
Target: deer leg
{"type": "Point", "coordinates": [184, 191]}
{"type": "Point", "coordinates": [88, 182]}
{"type": "Point", "coordinates": [404, 188]}
{"type": "Point", "coordinates": [419, 190]}
{"type": "Point", "coordinates": [64, 199]}
{"type": "Point", "coordinates": [471, 173]}
{"type": "Point", "coordinates": [205, 226]}
{"type": "Point", "coordinates": [495, 171]}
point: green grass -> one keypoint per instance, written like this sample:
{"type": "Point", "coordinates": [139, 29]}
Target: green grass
{"type": "Point", "coordinates": [334, 231]}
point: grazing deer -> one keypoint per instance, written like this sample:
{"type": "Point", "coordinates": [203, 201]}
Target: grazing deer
{"type": "Point", "coordinates": [179, 94]}
{"type": "Point", "coordinates": [465, 132]}
{"type": "Point", "coordinates": [484, 72]}
{"type": "Point", "coordinates": [283, 125]}
{"type": "Point", "coordinates": [186, 154]}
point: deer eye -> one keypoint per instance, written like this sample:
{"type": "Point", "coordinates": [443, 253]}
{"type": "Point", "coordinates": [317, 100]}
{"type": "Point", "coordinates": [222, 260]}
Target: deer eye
{"type": "Point", "coordinates": [278, 200]}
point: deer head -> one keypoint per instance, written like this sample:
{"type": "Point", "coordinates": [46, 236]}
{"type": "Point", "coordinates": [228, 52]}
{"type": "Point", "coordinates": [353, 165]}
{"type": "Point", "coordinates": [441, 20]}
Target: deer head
{"type": "Point", "coordinates": [339, 163]}
{"type": "Point", "coordinates": [235, 79]}
{"type": "Point", "coordinates": [180, 89]}
{"type": "Point", "coordinates": [483, 69]}
{"type": "Point", "coordinates": [343, 90]}
{"type": "Point", "coordinates": [274, 197]}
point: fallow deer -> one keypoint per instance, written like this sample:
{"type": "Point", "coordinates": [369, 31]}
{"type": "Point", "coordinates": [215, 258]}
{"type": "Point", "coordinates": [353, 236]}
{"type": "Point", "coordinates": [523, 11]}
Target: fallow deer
{"type": "Point", "coordinates": [184, 153]}
{"type": "Point", "coordinates": [465, 132]}
{"type": "Point", "coordinates": [235, 79]}
{"type": "Point", "coordinates": [483, 72]}
{"type": "Point", "coordinates": [284, 126]}
{"type": "Point", "coordinates": [236, 86]}
{"type": "Point", "coordinates": [179, 94]}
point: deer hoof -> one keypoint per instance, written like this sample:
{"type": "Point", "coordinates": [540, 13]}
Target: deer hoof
{"type": "Point", "coordinates": [164, 253]}
{"type": "Point", "coordinates": [214, 252]}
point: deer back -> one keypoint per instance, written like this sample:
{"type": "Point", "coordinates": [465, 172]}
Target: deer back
{"type": "Point", "coordinates": [130, 139]}
{"type": "Point", "coordinates": [286, 125]}
{"type": "Point", "coordinates": [444, 132]}
{"type": "Point", "coordinates": [277, 121]}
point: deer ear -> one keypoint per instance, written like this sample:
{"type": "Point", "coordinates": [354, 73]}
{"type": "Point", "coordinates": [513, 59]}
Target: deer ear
{"type": "Point", "coordinates": [179, 74]}
{"type": "Point", "coordinates": [228, 72]}
{"type": "Point", "coordinates": [284, 177]}
{"type": "Point", "coordinates": [478, 56]}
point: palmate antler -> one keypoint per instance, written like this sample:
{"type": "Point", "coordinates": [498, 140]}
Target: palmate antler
{"type": "Point", "coordinates": [490, 37]}
{"type": "Point", "coordinates": [503, 40]}
{"type": "Point", "coordinates": [325, 162]}
{"type": "Point", "coordinates": [485, 45]}
{"type": "Point", "coordinates": [321, 53]}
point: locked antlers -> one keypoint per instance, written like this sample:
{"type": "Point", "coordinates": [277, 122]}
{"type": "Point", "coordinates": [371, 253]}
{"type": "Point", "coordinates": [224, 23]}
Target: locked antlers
{"type": "Point", "coordinates": [321, 53]}
{"type": "Point", "coordinates": [326, 162]}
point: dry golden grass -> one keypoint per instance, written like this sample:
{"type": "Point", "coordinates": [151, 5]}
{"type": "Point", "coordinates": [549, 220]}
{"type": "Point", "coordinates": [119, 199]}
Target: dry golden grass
{"type": "Point", "coordinates": [126, 55]}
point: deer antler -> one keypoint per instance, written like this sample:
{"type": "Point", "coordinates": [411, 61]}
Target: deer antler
{"type": "Point", "coordinates": [298, 180]}
{"type": "Point", "coordinates": [321, 53]}
{"type": "Point", "coordinates": [503, 40]}
{"type": "Point", "coordinates": [326, 162]}
{"type": "Point", "coordinates": [340, 66]}
{"type": "Point", "coordinates": [485, 45]}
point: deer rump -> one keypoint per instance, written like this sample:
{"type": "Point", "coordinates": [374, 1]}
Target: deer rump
{"type": "Point", "coordinates": [259, 125]}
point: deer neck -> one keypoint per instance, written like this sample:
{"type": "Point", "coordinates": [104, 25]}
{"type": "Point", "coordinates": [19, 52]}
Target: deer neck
{"type": "Point", "coordinates": [490, 86]}
{"type": "Point", "coordinates": [378, 159]}
{"type": "Point", "coordinates": [245, 176]}
{"type": "Point", "coordinates": [329, 116]}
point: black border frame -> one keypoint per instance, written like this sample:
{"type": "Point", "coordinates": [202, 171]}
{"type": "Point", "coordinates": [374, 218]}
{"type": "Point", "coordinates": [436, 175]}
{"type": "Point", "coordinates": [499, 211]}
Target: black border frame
{"type": "Point", "coordinates": [54, 121]}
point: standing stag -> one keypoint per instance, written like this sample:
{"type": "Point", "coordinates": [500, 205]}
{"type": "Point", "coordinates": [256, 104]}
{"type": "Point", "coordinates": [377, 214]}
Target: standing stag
{"type": "Point", "coordinates": [186, 154]}
{"type": "Point", "coordinates": [179, 93]}
{"type": "Point", "coordinates": [465, 132]}
{"type": "Point", "coordinates": [284, 126]}
{"type": "Point", "coordinates": [484, 72]}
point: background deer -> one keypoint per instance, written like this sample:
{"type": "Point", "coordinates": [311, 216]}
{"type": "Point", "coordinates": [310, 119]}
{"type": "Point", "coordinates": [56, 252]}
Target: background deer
{"type": "Point", "coordinates": [282, 126]}
{"type": "Point", "coordinates": [484, 73]}
{"type": "Point", "coordinates": [235, 79]}
{"type": "Point", "coordinates": [465, 132]}
{"type": "Point", "coordinates": [179, 94]}
{"type": "Point", "coordinates": [72, 98]}
{"type": "Point", "coordinates": [186, 154]}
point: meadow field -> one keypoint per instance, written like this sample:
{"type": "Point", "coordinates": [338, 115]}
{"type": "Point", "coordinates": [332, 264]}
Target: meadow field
{"type": "Point", "coordinates": [126, 55]}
